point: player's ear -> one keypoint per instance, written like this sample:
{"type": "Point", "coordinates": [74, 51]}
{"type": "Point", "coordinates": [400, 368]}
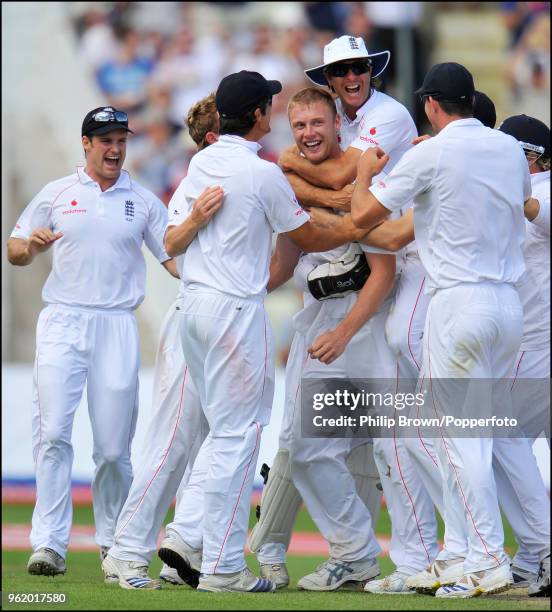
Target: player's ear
{"type": "Point", "coordinates": [86, 143]}
{"type": "Point", "coordinates": [211, 137]}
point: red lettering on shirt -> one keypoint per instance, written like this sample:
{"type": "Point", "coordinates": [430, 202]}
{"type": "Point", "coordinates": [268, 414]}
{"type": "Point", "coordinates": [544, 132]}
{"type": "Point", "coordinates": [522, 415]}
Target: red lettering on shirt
{"type": "Point", "coordinates": [299, 212]}
{"type": "Point", "coordinates": [382, 184]}
{"type": "Point", "coordinates": [73, 211]}
{"type": "Point", "coordinates": [370, 140]}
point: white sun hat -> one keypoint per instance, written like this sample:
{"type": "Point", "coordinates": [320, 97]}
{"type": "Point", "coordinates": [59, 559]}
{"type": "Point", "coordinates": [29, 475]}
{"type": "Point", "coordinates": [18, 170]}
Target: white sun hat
{"type": "Point", "coordinates": [347, 48]}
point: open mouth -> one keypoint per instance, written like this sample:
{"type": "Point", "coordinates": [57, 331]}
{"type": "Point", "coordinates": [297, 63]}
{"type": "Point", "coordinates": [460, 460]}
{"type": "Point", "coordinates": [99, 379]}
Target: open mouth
{"type": "Point", "coordinates": [312, 145]}
{"type": "Point", "coordinates": [352, 89]}
{"type": "Point", "coordinates": [112, 162]}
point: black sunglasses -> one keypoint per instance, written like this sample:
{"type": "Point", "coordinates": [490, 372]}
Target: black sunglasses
{"type": "Point", "coordinates": [341, 70]}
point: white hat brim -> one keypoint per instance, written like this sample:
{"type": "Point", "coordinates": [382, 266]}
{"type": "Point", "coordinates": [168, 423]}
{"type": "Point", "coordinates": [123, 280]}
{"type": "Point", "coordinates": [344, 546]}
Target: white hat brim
{"type": "Point", "coordinates": [379, 64]}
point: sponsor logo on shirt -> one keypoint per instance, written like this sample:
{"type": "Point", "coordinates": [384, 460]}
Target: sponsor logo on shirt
{"type": "Point", "coordinates": [382, 184]}
{"type": "Point", "coordinates": [71, 211]}
{"type": "Point", "coordinates": [129, 210]}
{"type": "Point", "coordinates": [175, 212]}
{"type": "Point", "coordinates": [370, 140]}
{"type": "Point", "coordinates": [373, 131]}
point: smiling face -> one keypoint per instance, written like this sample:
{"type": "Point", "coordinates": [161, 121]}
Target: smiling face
{"type": "Point", "coordinates": [105, 155]}
{"type": "Point", "coordinates": [353, 89]}
{"type": "Point", "coordinates": [314, 128]}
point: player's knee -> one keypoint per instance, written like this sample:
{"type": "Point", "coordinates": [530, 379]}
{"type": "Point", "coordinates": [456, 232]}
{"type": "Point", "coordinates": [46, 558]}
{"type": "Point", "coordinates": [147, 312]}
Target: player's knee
{"type": "Point", "coordinates": [113, 456]}
{"type": "Point", "coordinates": [55, 437]}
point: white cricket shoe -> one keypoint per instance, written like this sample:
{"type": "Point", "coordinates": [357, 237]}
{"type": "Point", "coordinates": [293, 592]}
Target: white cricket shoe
{"type": "Point", "coordinates": [276, 573]}
{"type": "Point", "coordinates": [46, 562]}
{"type": "Point", "coordinates": [170, 575]}
{"type": "Point", "coordinates": [476, 583]}
{"type": "Point", "coordinates": [541, 586]}
{"type": "Point", "coordinates": [522, 578]}
{"type": "Point", "coordinates": [438, 574]}
{"type": "Point", "coordinates": [333, 573]}
{"type": "Point", "coordinates": [243, 582]}
{"type": "Point", "coordinates": [394, 584]}
{"type": "Point", "coordinates": [109, 579]}
{"type": "Point", "coordinates": [129, 574]}
{"type": "Point", "coordinates": [182, 557]}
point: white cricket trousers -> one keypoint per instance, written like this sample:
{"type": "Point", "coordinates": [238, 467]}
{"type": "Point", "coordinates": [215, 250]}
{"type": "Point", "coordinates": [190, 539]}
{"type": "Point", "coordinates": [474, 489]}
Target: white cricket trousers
{"type": "Point", "coordinates": [473, 331]}
{"type": "Point", "coordinates": [175, 433]}
{"type": "Point", "coordinates": [408, 466]}
{"type": "Point", "coordinates": [521, 491]}
{"type": "Point", "coordinates": [229, 350]}
{"type": "Point", "coordinates": [74, 347]}
{"type": "Point", "coordinates": [319, 465]}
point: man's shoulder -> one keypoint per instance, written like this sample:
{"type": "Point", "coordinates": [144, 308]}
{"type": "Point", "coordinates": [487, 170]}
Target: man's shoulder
{"type": "Point", "coordinates": [55, 187]}
{"type": "Point", "coordinates": [145, 194]}
{"type": "Point", "coordinates": [386, 104]}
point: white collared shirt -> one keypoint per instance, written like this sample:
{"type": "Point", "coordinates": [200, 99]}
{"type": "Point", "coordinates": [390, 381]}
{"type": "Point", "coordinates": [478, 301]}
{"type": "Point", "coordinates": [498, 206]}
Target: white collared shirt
{"type": "Point", "coordinates": [98, 262]}
{"type": "Point", "coordinates": [469, 184]}
{"type": "Point", "coordinates": [535, 288]}
{"type": "Point", "coordinates": [382, 122]}
{"type": "Point", "coordinates": [231, 254]}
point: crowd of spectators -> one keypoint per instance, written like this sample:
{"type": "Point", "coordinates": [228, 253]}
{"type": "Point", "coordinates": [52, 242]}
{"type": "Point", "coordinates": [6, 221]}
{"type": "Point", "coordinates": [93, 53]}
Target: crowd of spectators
{"type": "Point", "coordinates": [156, 59]}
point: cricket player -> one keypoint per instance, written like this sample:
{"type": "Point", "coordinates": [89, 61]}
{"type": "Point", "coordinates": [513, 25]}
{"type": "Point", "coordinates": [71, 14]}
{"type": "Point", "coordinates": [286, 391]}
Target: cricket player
{"type": "Point", "coordinates": [96, 221]}
{"type": "Point", "coordinates": [225, 272]}
{"type": "Point", "coordinates": [474, 320]}
{"type": "Point", "coordinates": [178, 426]}
{"type": "Point", "coordinates": [371, 118]}
{"type": "Point", "coordinates": [528, 505]}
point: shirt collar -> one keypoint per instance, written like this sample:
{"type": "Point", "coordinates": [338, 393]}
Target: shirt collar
{"type": "Point", "coordinates": [248, 144]}
{"type": "Point", "coordinates": [123, 182]}
{"type": "Point", "coordinates": [461, 123]}
{"type": "Point", "coordinates": [540, 177]}
{"type": "Point", "coordinates": [360, 112]}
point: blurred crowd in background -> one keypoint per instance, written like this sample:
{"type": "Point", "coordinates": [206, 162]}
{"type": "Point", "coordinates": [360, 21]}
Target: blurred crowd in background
{"type": "Point", "coordinates": [156, 59]}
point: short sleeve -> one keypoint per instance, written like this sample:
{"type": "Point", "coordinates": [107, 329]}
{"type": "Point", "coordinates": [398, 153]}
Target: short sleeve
{"type": "Point", "coordinates": [38, 213]}
{"type": "Point", "coordinates": [542, 220]}
{"type": "Point", "coordinates": [412, 175]}
{"type": "Point", "coordinates": [279, 202]}
{"type": "Point", "coordinates": [155, 228]}
{"type": "Point", "coordinates": [179, 206]}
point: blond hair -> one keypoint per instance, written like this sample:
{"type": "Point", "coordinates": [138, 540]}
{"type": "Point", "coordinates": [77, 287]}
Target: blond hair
{"type": "Point", "coordinates": [311, 95]}
{"type": "Point", "coordinates": [202, 118]}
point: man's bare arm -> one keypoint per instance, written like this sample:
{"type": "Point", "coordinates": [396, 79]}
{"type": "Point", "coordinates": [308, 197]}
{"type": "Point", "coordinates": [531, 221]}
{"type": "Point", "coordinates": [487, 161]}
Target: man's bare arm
{"type": "Point", "coordinates": [531, 208]}
{"type": "Point", "coordinates": [178, 237]}
{"type": "Point", "coordinates": [366, 210]}
{"type": "Point", "coordinates": [22, 252]}
{"type": "Point", "coordinates": [282, 264]}
{"type": "Point", "coordinates": [313, 236]}
{"type": "Point", "coordinates": [310, 195]}
{"type": "Point", "coordinates": [328, 346]}
{"type": "Point", "coordinates": [170, 266]}
{"type": "Point", "coordinates": [392, 235]}
{"type": "Point", "coordinates": [332, 173]}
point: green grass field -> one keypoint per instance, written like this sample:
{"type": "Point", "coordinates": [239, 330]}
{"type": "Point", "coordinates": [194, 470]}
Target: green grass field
{"type": "Point", "coordinates": [85, 590]}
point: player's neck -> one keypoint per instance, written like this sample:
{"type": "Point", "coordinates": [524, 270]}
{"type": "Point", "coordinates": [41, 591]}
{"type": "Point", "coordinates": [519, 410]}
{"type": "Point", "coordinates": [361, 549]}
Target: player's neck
{"type": "Point", "coordinates": [104, 183]}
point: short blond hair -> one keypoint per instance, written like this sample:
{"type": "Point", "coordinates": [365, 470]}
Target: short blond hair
{"type": "Point", "coordinates": [311, 95]}
{"type": "Point", "coordinates": [202, 118]}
